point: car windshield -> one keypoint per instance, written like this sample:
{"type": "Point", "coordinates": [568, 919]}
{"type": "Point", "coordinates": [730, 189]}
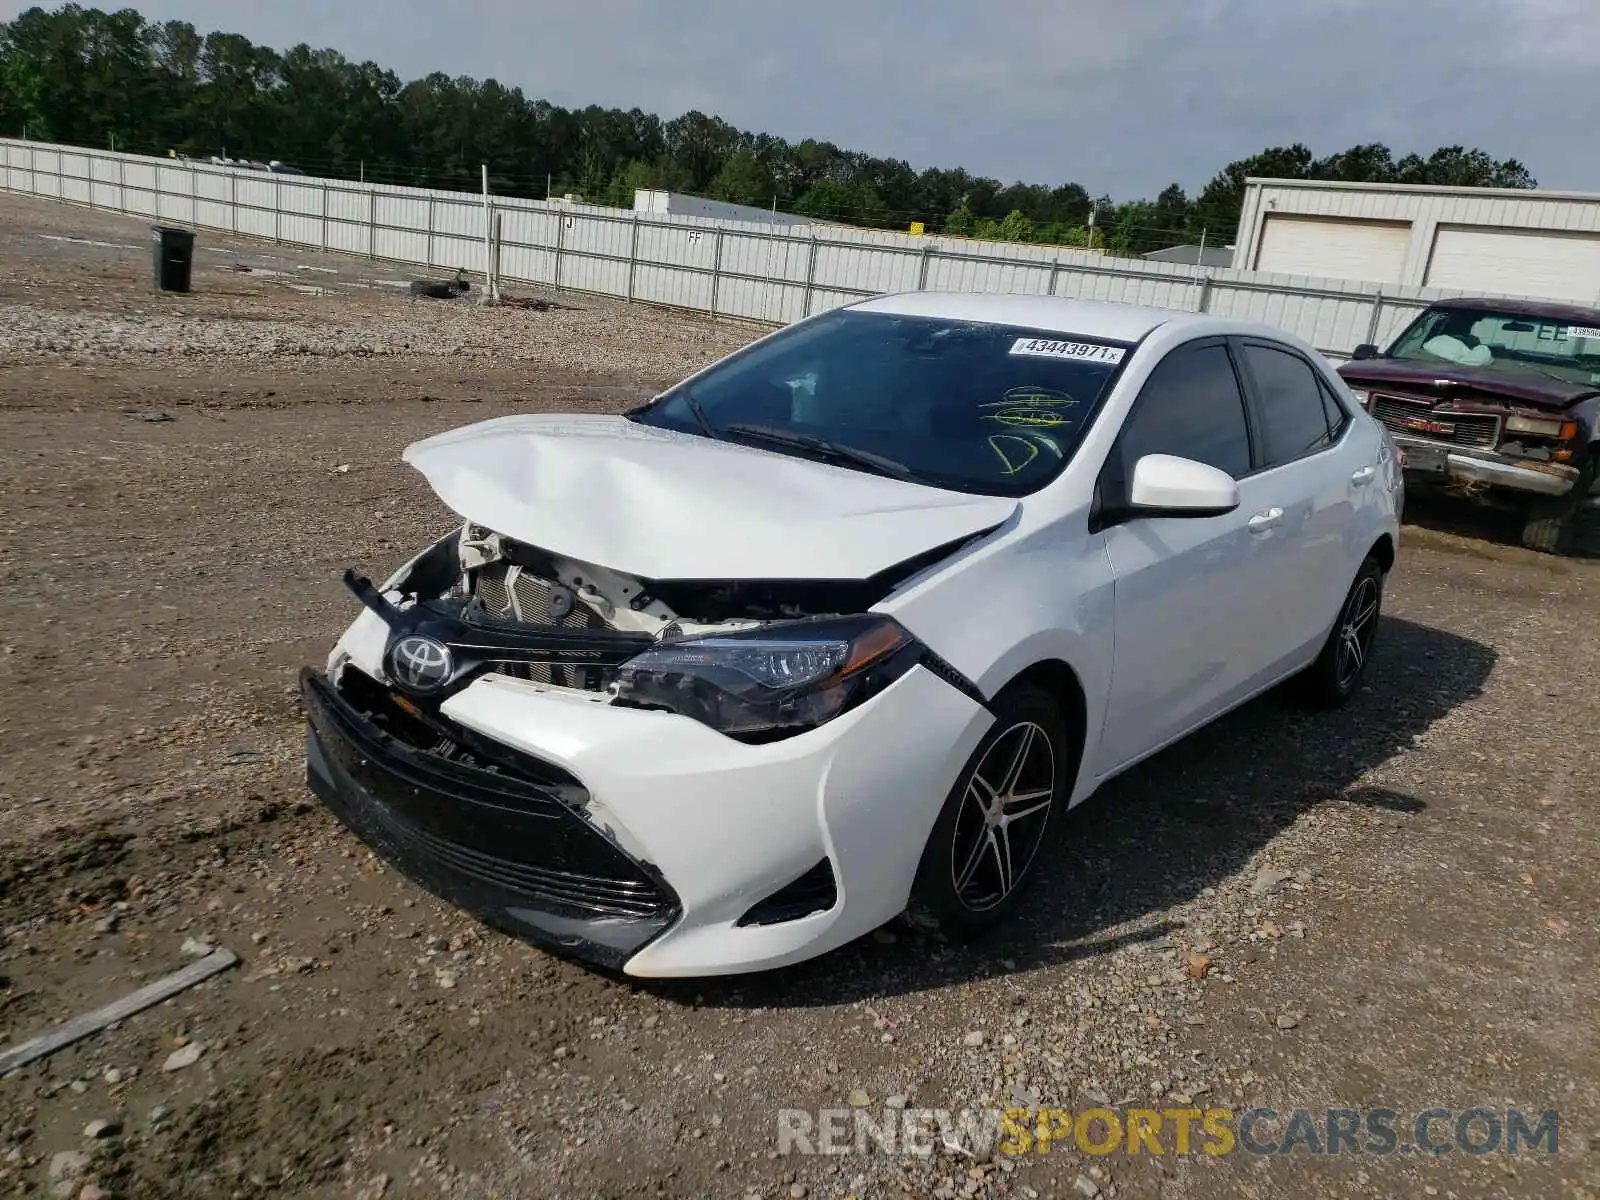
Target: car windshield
{"type": "Point", "coordinates": [1511, 342]}
{"type": "Point", "coordinates": [992, 409]}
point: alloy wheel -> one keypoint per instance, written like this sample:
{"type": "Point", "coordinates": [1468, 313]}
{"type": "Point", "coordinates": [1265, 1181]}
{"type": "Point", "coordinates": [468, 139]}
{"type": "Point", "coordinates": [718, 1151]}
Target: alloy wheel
{"type": "Point", "coordinates": [1004, 810]}
{"type": "Point", "coordinates": [1357, 627]}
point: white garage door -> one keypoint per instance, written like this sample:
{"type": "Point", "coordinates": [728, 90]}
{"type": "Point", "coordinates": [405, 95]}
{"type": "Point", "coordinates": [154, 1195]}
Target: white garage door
{"type": "Point", "coordinates": [1335, 249]}
{"type": "Point", "coordinates": [1555, 266]}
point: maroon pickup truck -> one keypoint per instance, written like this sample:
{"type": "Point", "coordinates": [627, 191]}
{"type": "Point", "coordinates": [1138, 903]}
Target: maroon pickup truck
{"type": "Point", "coordinates": [1497, 399]}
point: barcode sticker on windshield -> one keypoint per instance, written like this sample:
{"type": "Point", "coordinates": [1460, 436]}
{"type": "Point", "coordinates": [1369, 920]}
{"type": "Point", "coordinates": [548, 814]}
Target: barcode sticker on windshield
{"type": "Point", "coordinates": [1581, 331]}
{"type": "Point", "coordinates": [1083, 351]}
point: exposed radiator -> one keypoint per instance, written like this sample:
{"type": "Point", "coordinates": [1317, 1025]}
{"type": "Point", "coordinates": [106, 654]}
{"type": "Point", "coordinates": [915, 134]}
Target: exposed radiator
{"type": "Point", "coordinates": [512, 593]}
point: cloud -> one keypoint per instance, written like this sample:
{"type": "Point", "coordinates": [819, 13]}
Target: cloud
{"type": "Point", "coordinates": [1123, 100]}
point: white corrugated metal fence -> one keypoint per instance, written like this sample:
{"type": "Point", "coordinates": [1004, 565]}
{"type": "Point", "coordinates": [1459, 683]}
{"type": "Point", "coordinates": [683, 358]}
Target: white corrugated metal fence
{"type": "Point", "coordinates": [726, 268]}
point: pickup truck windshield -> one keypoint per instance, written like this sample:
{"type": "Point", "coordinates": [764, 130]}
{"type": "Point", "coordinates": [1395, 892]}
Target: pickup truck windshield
{"type": "Point", "coordinates": [992, 409]}
{"type": "Point", "coordinates": [1503, 341]}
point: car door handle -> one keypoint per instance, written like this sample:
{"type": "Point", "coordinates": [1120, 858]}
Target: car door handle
{"type": "Point", "coordinates": [1263, 521]}
{"type": "Point", "coordinates": [1364, 476]}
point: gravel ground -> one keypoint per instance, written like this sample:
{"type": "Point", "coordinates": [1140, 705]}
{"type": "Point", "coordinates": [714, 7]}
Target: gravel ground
{"type": "Point", "coordinates": [1387, 907]}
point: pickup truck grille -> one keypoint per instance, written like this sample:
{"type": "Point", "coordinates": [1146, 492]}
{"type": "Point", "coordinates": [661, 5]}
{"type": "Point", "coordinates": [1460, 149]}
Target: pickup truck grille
{"type": "Point", "coordinates": [1415, 418]}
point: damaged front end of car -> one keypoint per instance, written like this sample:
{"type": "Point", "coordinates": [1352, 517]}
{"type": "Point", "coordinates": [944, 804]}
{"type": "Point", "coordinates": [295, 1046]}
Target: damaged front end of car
{"type": "Point", "coordinates": [519, 840]}
{"type": "Point", "coordinates": [755, 660]}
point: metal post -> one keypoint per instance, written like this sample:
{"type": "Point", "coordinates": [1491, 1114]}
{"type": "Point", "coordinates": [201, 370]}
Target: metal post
{"type": "Point", "coordinates": [372, 222]}
{"type": "Point", "coordinates": [488, 238]}
{"type": "Point", "coordinates": [498, 241]}
{"type": "Point", "coordinates": [561, 237]}
{"type": "Point", "coordinates": [1090, 246]}
{"type": "Point", "coordinates": [1377, 311]}
{"type": "Point", "coordinates": [811, 274]}
{"type": "Point", "coordinates": [233, 196]}
{"type": "Point", "coordinates": [716, 271]}
{"type": "Point", "coordinates": [122, 185]}
{"type": "Point", "coordinates": [1204, 302]}
{"type": "Point", "coordinates": [633, 254]}
{"type": "Point", "coordinates": [277, 210]}
{"type": "Point", "coordinates": [922, 267]}
{"type": "Point", "coordinates": [1055, 273]}
{"type": "Point", "coordinates": [430, 231]}
{"type": "Point", "coordinates": [324, 214]}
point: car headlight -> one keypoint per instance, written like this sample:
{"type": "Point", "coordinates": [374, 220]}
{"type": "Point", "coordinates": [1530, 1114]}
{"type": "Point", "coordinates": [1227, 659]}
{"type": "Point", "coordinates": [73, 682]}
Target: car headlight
{"type": "Point", "coordinates": [771, 682]}
{"type": "Point", "coordinates": [1363, 397]}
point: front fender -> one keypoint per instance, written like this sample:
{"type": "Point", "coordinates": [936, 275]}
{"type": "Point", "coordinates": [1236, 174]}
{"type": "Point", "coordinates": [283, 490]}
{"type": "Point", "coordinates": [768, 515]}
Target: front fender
{"type": "Point", "coordinates": [998, 609]}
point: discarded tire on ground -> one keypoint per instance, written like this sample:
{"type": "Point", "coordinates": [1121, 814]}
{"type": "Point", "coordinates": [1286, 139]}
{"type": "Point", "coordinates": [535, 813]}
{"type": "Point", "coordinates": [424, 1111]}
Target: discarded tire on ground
{"type": "Point", "coordinates": [435, 291]}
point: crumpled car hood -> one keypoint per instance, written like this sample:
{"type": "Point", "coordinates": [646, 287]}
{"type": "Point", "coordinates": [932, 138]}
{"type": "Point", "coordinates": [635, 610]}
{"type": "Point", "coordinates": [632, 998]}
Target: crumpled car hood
{"type": "Point", "coordinates": [659, 504]}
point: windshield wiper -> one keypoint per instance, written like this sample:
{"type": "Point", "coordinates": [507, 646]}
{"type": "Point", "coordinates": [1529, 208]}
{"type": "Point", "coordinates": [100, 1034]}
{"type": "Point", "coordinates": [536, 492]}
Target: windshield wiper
{"type": "Point", "coordinates": [875, 463]}
{"type": "Point", "coordinates": [699, 414]}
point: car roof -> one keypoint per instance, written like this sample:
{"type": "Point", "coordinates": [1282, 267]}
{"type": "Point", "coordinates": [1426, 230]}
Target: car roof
{"type": "Point", "coordinates": [1549, 310]}
{"type": "Point", "coordinates": [1057, 314]}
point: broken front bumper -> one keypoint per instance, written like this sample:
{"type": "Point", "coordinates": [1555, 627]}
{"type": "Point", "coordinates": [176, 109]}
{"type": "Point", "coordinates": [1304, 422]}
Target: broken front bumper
{"type": "Point", "coordinates": [651, 842]}
{"type": "Point", "coordinates": [506, 845]}
{"type": "Point", "coordinates": [1436, 462]}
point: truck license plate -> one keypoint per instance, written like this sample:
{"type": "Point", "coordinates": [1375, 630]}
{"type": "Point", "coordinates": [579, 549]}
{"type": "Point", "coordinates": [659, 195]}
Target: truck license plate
{"type": "Point", "coordinates": [1427, 460]}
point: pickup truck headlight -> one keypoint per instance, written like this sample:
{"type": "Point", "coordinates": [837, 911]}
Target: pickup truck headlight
{"type": "Point", "coordinates": [1542, 427]}
{"type": "Point", "coordinates": [1363, 397]}
{"type": "Point", "coordinates": [768, 683]}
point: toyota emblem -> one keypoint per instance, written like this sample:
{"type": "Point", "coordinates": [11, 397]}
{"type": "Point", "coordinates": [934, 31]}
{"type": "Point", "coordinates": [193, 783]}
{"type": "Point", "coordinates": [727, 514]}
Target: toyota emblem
{"type": "Point", "coordinates": [420, 663]}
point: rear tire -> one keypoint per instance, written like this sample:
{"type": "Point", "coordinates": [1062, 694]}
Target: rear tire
{"type": "Point", "coordinates": [1337, 674]}
{"type": "Point", "coordinates": [1011, 793]}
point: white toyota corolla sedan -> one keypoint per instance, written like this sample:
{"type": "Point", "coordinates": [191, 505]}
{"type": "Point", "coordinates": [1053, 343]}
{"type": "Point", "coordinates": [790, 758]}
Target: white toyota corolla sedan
{"type": "Point", "coordinates": [847, 621]}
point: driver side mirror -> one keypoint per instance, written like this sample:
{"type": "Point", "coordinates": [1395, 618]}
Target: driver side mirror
{"type": "Point", "coordinates": [1365, 350]}
{"type": "Point", "coordinates": [1165, 485]}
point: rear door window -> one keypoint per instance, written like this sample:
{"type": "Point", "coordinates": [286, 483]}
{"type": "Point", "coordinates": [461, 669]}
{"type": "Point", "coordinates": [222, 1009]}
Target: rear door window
{"type": "Point", "coordinates": [1294, 419]}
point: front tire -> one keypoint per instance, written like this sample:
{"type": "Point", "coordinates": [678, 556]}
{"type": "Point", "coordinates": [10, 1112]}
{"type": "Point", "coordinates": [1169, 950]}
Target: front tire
{"type": "Point", "coordinates": [1337, 674]}
{"type": "Point", "coordinates": [983, 849]}
{"type": "Point", "coordinates": [1552, 522]}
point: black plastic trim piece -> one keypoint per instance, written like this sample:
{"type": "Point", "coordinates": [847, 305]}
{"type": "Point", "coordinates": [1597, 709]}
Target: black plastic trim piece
{"type": "Point", "coordinates": [953, 677]}
{"type": "Point", "coordinates": [815, 891]}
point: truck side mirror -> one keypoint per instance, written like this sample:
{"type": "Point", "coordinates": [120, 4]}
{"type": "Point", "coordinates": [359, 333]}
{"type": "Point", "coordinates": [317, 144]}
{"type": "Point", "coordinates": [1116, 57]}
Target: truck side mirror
{"type": "Point", "coordinates": [1365, 350]}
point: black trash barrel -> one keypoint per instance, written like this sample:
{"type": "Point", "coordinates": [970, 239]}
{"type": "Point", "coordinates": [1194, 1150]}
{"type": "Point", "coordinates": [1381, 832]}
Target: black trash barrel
{"type": "Point", "coordinates": [174, 255]}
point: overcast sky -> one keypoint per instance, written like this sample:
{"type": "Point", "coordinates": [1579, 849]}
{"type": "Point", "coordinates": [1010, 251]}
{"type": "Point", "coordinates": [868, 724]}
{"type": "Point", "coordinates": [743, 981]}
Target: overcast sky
{"type": "Point", "coordinates": [1123, 100]}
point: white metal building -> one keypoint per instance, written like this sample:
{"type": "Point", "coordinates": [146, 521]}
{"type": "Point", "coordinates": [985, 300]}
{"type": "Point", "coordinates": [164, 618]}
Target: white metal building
{"type": "Point", "coordinates": [1499, 240]}
{"type": "Point", "coordinates": [679, 204]}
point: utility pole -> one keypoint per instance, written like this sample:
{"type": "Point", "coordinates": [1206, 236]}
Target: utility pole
{"type": "Point", "coordinates": [1090, 246]}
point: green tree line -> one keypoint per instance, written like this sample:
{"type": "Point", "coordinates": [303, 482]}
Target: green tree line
{"type": "Point", "coordinates": [85, 77]}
